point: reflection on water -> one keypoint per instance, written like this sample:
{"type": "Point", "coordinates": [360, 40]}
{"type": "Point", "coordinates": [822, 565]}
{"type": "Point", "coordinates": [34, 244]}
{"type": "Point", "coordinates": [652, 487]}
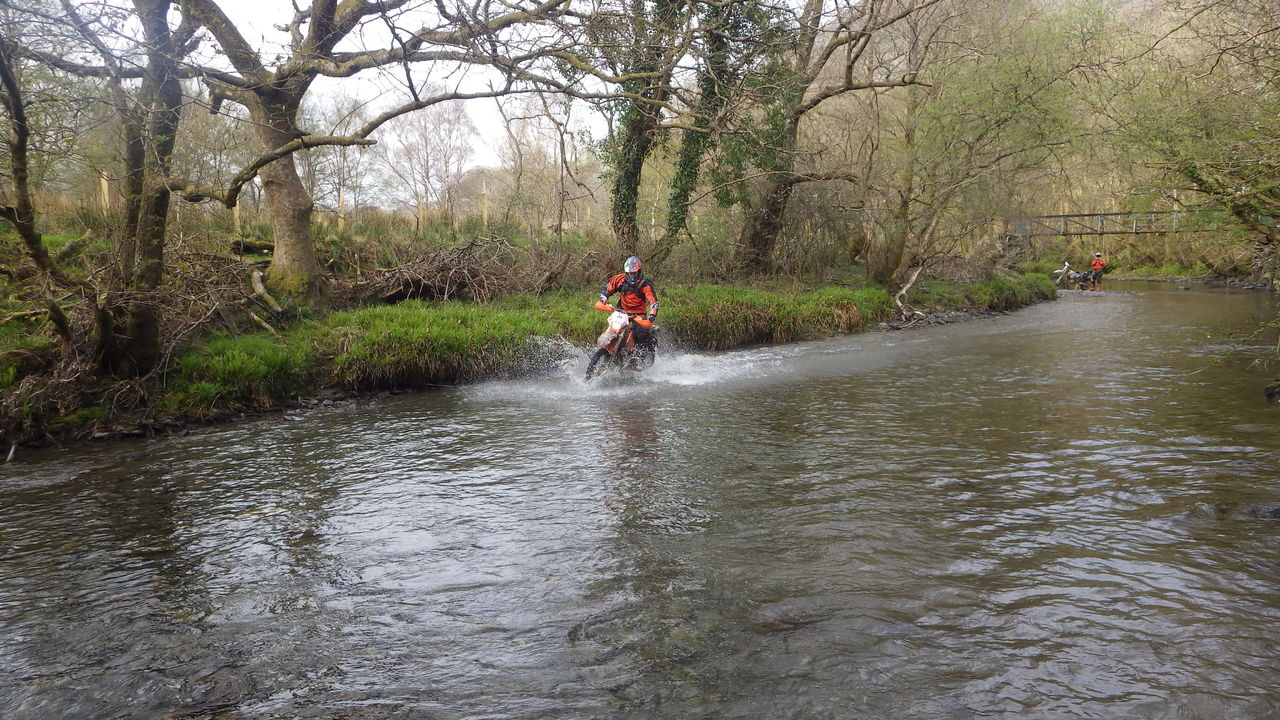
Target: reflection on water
{"type": "Point", "coordinates": [1063, 512]}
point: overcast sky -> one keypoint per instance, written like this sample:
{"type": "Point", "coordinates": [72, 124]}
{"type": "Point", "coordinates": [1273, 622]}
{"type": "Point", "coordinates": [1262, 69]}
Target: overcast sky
{"type": "Point", "coordinates": [257, 21]}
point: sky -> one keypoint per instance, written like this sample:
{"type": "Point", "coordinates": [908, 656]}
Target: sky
{"type": "Point", "coordinates": [257, 21]}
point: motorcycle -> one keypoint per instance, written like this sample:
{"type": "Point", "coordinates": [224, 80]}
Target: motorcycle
{"type": "Point", "coordinates": [616, 346]}
{"type": "Point", "coordinates": [1082, 279]}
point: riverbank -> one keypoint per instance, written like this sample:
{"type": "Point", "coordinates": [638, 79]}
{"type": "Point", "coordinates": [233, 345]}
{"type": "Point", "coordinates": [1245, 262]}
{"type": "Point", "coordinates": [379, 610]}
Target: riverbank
{"type": "Point", "coordinates": [415, 345]}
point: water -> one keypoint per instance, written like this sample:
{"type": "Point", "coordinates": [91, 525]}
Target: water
{"type": "Point", "coordinates": [1058, 513]}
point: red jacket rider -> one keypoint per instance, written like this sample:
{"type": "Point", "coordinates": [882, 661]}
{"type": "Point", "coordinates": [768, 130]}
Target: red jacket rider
{"type": "Point", "coordinates": [635, 291]}
{"type": "Point", "coordinates": [635, 296]}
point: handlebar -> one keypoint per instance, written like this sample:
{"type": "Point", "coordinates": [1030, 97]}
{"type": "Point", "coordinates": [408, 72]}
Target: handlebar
{"type": "Point", "coordinates": [639, 318]}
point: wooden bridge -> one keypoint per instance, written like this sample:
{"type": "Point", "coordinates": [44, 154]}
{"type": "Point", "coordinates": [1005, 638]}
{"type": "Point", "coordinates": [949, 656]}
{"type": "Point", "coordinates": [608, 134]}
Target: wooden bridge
{"type": "Point", "coordinates": [1100, 224]}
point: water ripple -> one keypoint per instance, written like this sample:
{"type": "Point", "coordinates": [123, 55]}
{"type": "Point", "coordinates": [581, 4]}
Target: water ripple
{"type": "Point", "coordinates": [965, 521]}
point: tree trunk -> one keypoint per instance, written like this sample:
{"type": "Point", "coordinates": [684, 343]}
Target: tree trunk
{"type": "Point", "coordinates": [141, 349]}
{"type": "Point", "coordinates": [638, 126]}
{"type": "Point", "coordinates": [760, 233]}
{"type": "Point", "coordinates": [294, 270]}
{"type": "Point", "coordinates": [885, 261]}
{"type": "Point", "coordinates": [764, 223]}
{"type": "Point", "coordinates": [161, 100]}
{"type": "Point", "coordinates": [886, 264]}
{"type": "Point", "coordinates": [640, 122]}
{"type": "Point", "coordinates": [693, 144]}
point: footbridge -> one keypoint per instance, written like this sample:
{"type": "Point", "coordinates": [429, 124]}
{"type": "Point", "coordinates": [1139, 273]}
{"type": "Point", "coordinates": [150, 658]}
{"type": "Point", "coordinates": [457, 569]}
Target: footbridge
{"type": "Point", "coordinates": [1140, 223]}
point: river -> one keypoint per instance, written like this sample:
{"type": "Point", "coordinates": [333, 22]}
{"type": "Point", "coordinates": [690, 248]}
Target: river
{"type": "Point", "coordinates": [1062, 512]}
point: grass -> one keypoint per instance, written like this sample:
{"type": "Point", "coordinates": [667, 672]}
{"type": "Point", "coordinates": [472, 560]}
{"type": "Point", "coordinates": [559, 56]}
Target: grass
{"type": "Point", "coordinates": [717, 317]}
{"type": "Point", "coordinates": [256, 370]}
{"type": "Point", "coordinates": [1010, 293]}
{"type": "Point", "coordinates": [25, 347]}
{"type": "Point", "coordinates": [418, 343]}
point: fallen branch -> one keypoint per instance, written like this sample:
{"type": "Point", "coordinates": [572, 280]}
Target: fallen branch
{"type": "Point", "coordinates": [265, 325]}
{"type": "Point", "coordinates": [260, 291]}
{"type": "Point", "coordinates": [906, 311]}
{"type": "Point", "coordinates": [23, 315]}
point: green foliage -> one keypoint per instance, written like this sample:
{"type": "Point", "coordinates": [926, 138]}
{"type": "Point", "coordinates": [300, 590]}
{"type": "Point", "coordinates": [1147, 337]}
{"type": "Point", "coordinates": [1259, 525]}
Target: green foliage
{"type": "Point", "coordinates": [1203, 115]}
{"type": "Point", "coordinates": [1006, 293]}
{"type": "Point", "coordinates": [418, 343]}
{"type": "Point", "coordinates": [934, 293]}
{"type": "Point", "coordinates": [24, 349]}
{"type": "Point", "coordinates": [228, 372]}
{"type": "Point", "coordinates": [88, 416]}
{"type": "Point", "coordinates": [720, 317]}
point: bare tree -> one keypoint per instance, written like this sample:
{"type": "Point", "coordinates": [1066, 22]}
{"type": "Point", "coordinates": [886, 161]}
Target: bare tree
{"type": "Point", "coordinates": [460, 33]}
{"type": "Point", "coordinates": [826, 58]}
{"type": "Point", "coordinates": [128, 314]}
{"type": "Point", "coordinates": [426, 153]}
{"type": "Point", "coordinates": [1217, 122]}
{"type": "Point", "coordinates": [998, 102]}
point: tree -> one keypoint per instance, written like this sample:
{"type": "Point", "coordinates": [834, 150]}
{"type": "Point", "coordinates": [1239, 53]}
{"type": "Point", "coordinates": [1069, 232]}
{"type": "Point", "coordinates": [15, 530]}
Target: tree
{"type": "Point", "coordinates": [274, 95]}
{"type": "Point", "coordinates": [826, 58]}
{"type": "Point", "coordinates": [642, 45]}
{"type": "Point", "coordinates": [128, 328]}
{"type": "Point", "coordinates": [426, 152]}
{"type": "Point", "coordinates": [1208, 107]}
{"type": "Point", "coordinates": [995, 100]}
{"type": "Point", "coordinates": [732, 39]}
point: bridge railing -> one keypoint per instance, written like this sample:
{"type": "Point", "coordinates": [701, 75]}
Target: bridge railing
{"type": "Point", "coordinates": [1100, 224]}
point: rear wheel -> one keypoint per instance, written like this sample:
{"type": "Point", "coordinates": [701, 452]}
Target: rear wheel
{"type": "Point", "coordinates": [597, 364]}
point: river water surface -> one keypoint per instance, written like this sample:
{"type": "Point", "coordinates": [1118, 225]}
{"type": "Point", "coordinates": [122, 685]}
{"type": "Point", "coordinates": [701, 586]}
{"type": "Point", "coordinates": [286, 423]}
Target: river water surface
{"type": "Point", "coordinates": [1064, 512]}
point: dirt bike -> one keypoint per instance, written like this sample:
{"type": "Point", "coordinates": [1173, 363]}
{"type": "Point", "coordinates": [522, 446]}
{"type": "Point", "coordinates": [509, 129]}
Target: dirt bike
{"type": "Point", "coordinates": [616, 346]}
{"type": "Point", "coordinates": [1082, 279]}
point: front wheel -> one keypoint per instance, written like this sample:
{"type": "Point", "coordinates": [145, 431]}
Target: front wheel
{"type": "Point", "coordinates": [596, 366]}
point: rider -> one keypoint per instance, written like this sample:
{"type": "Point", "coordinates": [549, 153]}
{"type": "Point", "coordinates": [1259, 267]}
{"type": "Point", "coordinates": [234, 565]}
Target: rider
{"type": "Point", "coordinates": [635, 297]}
{"type": "Point", "coordinates": [1099, 266]}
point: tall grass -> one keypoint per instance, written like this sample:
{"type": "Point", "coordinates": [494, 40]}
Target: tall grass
{"type": "Point", "coordinates": [1010, 293]}
{"type": "Point", "coordinates": [717, 317]}
{"type": "Point", "coordinates": [417, 343]}
{"type": "Point", "coordinates": [257, 370]}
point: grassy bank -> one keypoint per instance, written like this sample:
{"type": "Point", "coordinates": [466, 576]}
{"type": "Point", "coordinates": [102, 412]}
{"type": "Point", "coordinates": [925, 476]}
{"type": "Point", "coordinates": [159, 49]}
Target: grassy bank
{"type": "Point", "coordinates": [419, 344]}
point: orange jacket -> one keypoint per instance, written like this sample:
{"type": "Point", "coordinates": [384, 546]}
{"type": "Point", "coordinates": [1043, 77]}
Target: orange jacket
{"type": "Point", "coordinates": [1098, 263]}
{"type": "Point", "coordinates": [636, 297]}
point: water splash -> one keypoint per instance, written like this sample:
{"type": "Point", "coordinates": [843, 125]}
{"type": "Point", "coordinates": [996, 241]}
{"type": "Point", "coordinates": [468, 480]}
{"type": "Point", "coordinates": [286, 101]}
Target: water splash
{"type": "Point", "coordinates": [562, 377]}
